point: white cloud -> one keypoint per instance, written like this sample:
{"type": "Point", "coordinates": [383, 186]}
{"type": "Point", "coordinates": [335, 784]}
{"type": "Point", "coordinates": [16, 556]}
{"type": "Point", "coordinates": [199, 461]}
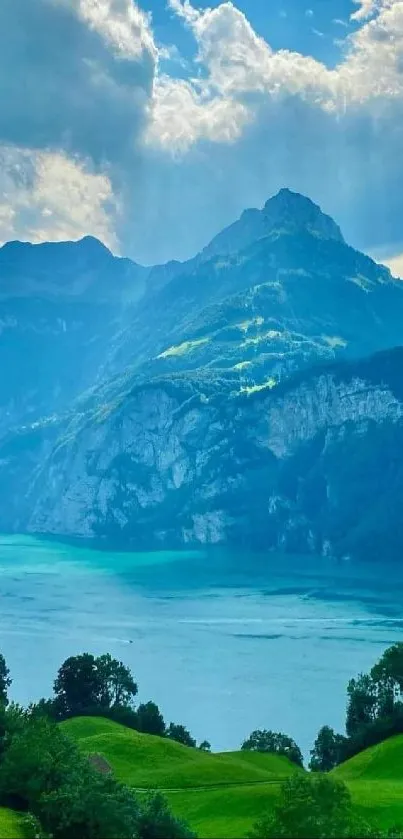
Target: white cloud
{"type": "Point", "coordinates": [107, 113]}
{"type": "Point", "coordinates": [395, 263]}
{"type": "Point", "coordinates": [366, 9]}
{"type": "Point", "coordinates": [124, 26]}
{"type": "Point", "coordinates": [240, 72]}
{"type": "Point", "coordinates": [49, 196]}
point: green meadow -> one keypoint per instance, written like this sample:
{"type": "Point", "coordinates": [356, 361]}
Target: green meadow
{"type": "Point", "coordinates": [222, 795]}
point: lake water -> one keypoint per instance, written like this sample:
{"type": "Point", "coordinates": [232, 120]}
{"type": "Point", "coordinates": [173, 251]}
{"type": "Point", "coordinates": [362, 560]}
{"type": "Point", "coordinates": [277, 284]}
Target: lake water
{"type": "Point", "coordinates": [223, 643]}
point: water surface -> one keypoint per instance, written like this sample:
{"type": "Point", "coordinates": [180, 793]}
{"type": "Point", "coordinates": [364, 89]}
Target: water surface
{"type": "Point", "coordinates": [223, 643]}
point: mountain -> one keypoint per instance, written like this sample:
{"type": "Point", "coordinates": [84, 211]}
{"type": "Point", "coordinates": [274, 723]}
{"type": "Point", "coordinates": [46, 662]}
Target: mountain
{"type": "Point", "coordinates": [250, 396]}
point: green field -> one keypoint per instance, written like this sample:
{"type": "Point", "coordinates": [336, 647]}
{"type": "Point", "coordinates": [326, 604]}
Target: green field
{"type": "Point", "coordinates": [375, 780]}
{"type": "Point", "coordinates": [223, 795]}
{"type": "Point", "coordinates": [10, 824]}
{"type": "Point", "coordinates": [219, 795]}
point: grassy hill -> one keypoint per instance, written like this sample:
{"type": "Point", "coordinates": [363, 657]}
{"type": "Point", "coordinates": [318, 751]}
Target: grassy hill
{"type": "Point", "coordinates": [222, 795]}
{"type": "Point", "coordinates": [219, 795]}
{"type": "Point", "coordinates": [10, 824]}
{"type": "Point", "coordinates": [375, 780]}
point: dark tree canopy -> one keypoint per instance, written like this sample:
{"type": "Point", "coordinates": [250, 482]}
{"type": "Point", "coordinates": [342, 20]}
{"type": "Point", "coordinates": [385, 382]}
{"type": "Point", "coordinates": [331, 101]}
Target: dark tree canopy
{"type": "Point", "coordinates": [205, 746]}
{"type": "Point", "coordinates": [156, 821]}
{"type": "Point", "coordinates": [5, 680]}
{"type": "Point", "coordinates": [117, 684]}
{"type": "Point", "coordinates": [180, 734]}
{"type": "Point", "coordinates": [150, 720]}
{"type": "Point", "coordinates": [274, 743]}
{"type": "Point", "coordinates": [84, 682]}
{"type": "Point", "coordinates": [327, 751]}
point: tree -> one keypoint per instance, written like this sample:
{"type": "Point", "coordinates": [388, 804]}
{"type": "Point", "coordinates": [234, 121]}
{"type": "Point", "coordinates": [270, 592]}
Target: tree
{"type": "Point", "coordinates": [150, 719]}
{"type": "Point", "coordinates": [89, 805]}
{"type": "Point", "coordinates": [180, 734]}
{"type": "Point", "coordinates": [156, 821]}
{"type": "Point", "coordinates": [312, 807]}
{"type": "Point", "coordinates": [273, 743]}
{"type": "Point", "coordinates": [39, 759]}
{"type": "Point", "coordinates": [78, 684]}
{"type": "Point", "coordinates": [5, 681]}
{"type": "Point", "coordinates": [118, 687]}
{"type": "Point", "coordinates": [85, 682]}
{"type": "Point", "coordinates": [327, 751]}
{"type": "Point", "coordinates": [390, 668]}
{"type": "Point", "coordinates": [12, 721]}
{"type": "Point", "coordinates": [205, 746]}
{"type": "Point", "coordinates": [362, 703]}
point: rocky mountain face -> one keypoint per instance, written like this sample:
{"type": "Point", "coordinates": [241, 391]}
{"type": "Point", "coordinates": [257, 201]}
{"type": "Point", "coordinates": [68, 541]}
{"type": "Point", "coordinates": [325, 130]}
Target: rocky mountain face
{"type": "Point", "coordinates": [252, 396]}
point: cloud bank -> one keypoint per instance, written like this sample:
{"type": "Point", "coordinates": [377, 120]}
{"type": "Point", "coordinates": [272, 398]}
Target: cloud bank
{"type": "Point", "coordinates": [100, 133]}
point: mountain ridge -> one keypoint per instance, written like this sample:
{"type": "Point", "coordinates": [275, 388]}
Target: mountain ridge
{"type": "Point", "coordinates": [232, 399]}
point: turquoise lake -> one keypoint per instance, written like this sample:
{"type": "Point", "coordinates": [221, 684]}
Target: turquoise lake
{"type": "Point", "coordinates": [224, 643]}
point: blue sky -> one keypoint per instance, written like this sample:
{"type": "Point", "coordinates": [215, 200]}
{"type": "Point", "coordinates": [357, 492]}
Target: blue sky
{"type": "Point", "coordinates": [153, 123]}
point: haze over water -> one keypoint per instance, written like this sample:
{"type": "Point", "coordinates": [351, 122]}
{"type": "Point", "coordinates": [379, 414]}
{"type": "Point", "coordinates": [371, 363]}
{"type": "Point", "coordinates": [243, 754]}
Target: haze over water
{"type": "Point", "coordinates": [223, 643]}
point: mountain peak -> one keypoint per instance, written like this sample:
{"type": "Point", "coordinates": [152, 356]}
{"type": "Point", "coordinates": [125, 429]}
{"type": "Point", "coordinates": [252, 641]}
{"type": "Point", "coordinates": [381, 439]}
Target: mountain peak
{"type": "Point", "coordinates": [286, 211]}
{"type": "Point", "coordinates": [297, 211]}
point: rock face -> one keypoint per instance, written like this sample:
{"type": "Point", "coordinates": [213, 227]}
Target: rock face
{"type": "Point", "coordinates": [252, 396]}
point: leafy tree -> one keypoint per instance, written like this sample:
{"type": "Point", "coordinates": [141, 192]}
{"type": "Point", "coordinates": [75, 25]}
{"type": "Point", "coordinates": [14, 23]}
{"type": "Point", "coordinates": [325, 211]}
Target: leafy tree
{"type": "Point", "coordinates": [389, 668]}
{"type": "Point", "coordinates": [39, 759]}
{"type": "Point", "coordinates": [47, 708]}
{"type": "Point", "coordinates": [205, 746]}
{"type": "Point", "coordinates": [180, 734]}
{"type": "Point", "coordinates": [362, 703]}
{"type": "Point", "coordinates": [274, 743]}
{"type": "Point", "coordinates": [78, 684]}
{"type": "Point", "coordinates": [12, 720]}
{"type": "Point", "coordinates": [327, 751]}
{"type": "Point", "coordinates": [156, 820]}
{"type": "Point", "coordinates": [85, 682]}
{"type": "Point", "coordinates": [118, 687]}
{"type": "Point", "coordinates": [32, 828]}
{"type": "Point", "coordinates": [5, 681]}
{"type": "Point", "coordinates": [150, 719]}
{"type": "Point", "coordinates": [89, 805]}
{"type": "Point", "coordinates": [312, 807]}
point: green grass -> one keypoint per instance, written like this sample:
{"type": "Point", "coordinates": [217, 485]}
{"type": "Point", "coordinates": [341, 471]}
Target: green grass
{"type": "Point", "coordinates": [375, 780]}
{"type": "Point", "coordinates": [223, 795]}
{"type": "Point", "coordinates": [383, 762]}
{"type": "Point", "coordinates": [10, 824]}
{"type": "Point", "coordinates": [225, 813]}
{"type": "Point", "coordinates": [219, 795]}
{"type": "Point", "coordinates": [147, 762]}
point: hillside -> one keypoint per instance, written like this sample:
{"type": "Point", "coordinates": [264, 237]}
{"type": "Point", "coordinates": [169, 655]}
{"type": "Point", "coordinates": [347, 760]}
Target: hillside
{"type": "Point", "coordinates": [11, 824]}
{"type": "Point", "coordinates": [250, 396]}
{"type": "Point", "coordinates": [147, 762]}
{"type": "Point", "coordinates": [375, 780]}
{"type": "Point", "coordinates": [383, 762]}
{"type": "Point", "coordinates": [221, 795]}
{"type": "Point", "coordinates": [218, 794]}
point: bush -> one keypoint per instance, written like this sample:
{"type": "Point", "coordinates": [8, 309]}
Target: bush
{"type": "Point", "coordinates": [156, 821]}
{"type": "Point", "coordinates": [313, 807]}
